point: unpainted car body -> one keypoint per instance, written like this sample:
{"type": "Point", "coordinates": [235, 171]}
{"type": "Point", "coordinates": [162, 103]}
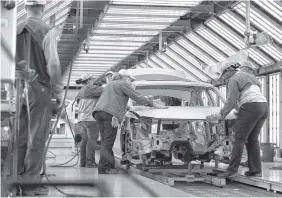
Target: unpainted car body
{"type": "Point", "coordinates": [181, 131]}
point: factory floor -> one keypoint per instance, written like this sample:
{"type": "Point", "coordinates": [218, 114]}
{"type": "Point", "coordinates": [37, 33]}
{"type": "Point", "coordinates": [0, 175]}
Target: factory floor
{"type": "Point", "coordinates": [122, 186]}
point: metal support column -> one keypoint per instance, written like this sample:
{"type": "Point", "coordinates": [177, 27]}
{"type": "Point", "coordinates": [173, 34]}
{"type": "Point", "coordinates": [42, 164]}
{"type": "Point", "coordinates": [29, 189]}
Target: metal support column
{"type": "Point", "coordinates": [147, 59]}
{"type": "Point", "coordinates": [265, 88]}
{"type": "Point", "coordinates": [81, 14]}
{"type": "Point", "coordinates": [161, 41]}
{"type": "Point", "coordinates": [248, 25]}
{"type": "Point", "coordinates": [267, 123]}
{"type": "Point", "coordinates": [280, 111]}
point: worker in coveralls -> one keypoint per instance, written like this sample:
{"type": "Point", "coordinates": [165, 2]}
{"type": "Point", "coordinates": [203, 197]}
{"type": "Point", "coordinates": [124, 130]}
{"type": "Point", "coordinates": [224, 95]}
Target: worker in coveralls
{"type": "Point", "coordinates": [87, 99]}
{"type": "Point", "coordinates": [109, 113]}
{"type": "Point", "coordinates": [249, 68]}
{"type": "Point", "coordinates": [37, 45]}
{"type": "Point", "coordinates": [244, 88]}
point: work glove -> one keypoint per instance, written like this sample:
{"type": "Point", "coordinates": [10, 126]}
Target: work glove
{"type": "Point", "coordinates": [115, 122]}
{"type": "Point", "coordinates": [57, 106]}
{"type": "Point", "coordinates": [159, 106]}
{"type": "Point", "coordinates": [214, 118]}
{"type": "Point", "coordinates": [77, 138]}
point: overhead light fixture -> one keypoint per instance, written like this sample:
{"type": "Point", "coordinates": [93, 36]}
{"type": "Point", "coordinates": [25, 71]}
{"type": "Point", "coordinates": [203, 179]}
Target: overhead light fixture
{"type": "Point", "coordinates": [86, 43]}
{"type": "Point", "coordinates": [164, 46]}
{"type": "Point", "coordinates": [254, 39]}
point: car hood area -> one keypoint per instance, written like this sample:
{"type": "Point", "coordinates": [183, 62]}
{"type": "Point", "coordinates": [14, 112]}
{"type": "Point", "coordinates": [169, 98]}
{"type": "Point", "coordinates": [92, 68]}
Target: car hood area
{"type": "Point", "coordinates": [180, 113]}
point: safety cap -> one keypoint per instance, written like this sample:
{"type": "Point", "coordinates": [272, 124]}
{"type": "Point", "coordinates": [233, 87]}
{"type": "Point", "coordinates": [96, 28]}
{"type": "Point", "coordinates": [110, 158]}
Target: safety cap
{"type": "Point", "coordinates": [109, 72]}
{"type": "Point", "coordinates": [124, 72]}
{"type": "Point", "coordinates": [247, 64]}
{"type": "Point", "coordinates": [227, 66]}
{"type": "Point", "coordinates": [86, 77]}
{"type": "Point", "coordinates": [35, 2]}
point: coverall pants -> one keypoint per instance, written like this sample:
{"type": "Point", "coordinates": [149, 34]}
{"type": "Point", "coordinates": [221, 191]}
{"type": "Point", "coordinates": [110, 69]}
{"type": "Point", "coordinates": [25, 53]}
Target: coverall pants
{"type": "Point", "coordinates": [108, 137]}
{"type": "Point", "coordinates": [90, 133]}
{"type": "Point", "coordinates": [249, 123]}
{"type": "Point", "coordinates": [31, 145]}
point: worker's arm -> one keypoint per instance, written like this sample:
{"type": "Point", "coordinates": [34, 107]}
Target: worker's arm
{"type": "Point", "coordinates": [134, 95]}
{"type": "Point", "coordinates": [53, 63]}
{"type": "Point", "coordinates": [237, 107]}
{"type": "Point", "coordinates": [93, 90]}
{"type": "Point", "coordinates": [232, 98]}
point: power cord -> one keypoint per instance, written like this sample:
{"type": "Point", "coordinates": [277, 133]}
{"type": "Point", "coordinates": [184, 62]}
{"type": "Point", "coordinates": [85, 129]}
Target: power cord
{"type": "Point", "coordinates": [62, 165]}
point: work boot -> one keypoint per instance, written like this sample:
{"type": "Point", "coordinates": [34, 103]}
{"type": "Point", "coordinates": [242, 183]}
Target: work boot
{"type": "Point", "coordinates": [126, 162]}
{"type": "Point", "coordinates": [82, 165]}
{"type": "Point", "coordinates": [41, 190]}
{"type": "Point", "coordinates": [93, 165]}
{"type": "Point", "coordinates": [253, 174]}
{"type": "Point", "coordinates": [244, 164]}
{"type": "Point", "coordinates": [227, 174]}
{"type": "Point", "coordinates": [109, 171]}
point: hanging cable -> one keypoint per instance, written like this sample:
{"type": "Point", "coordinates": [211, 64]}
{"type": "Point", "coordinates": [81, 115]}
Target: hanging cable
{"type": "Point", "coordinates": [62, 165]}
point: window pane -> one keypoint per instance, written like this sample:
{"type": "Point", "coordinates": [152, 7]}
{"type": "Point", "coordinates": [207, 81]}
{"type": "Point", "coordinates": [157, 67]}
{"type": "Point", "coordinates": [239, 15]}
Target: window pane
{"type": "Point", "coordinates": [274, 108]}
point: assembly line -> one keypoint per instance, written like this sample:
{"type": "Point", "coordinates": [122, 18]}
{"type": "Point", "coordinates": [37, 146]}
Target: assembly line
{"type": "Point", "coordinates": [154, 127]}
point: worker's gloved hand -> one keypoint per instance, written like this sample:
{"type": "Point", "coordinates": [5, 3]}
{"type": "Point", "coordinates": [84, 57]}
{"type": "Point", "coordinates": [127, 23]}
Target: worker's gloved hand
{"type": "Point", "coordinates": [159, 106]}
{"type": "Point", "coordinates": [57, 106]}
{"type": "Point", "coordinates": [77, 138]}
{"type": "Point", "coordinates": [214, 118]}
{"type": "Point", "coordinates": [115, 122]}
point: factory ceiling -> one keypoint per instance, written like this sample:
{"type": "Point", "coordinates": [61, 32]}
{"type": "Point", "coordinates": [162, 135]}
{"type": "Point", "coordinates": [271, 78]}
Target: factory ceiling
{"type": "Point", "coordinates": [184, 35]}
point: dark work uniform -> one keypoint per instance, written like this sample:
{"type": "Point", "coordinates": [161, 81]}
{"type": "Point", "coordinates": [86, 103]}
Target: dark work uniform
{"type": "Point", "coordinates": [30, 36]}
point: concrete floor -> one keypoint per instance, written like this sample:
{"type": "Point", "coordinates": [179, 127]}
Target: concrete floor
{"type": "Point", "coordinates": [122, 186]}
{"type": "Point", "coordinates": [118, 185]}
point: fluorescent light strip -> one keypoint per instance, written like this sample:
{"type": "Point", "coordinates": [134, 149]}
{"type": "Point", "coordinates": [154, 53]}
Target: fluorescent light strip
{"type": "Point", "coordinates": [112, 48]}
{"type": "Point", "coordinates": [136, 32]}
{"type": "Point", "coordinates": [272, 8]}
{"type": "Point", "coordinates": [138, 19]}
{"type": "Point", "coordinates": [258, 58]}
{"type": "Point", "coordinates": [186, 55]}
{"type": "Point", "coordinates": [120, 38]}
{"type": "Point", "coordinates": [217, 41]}
{"type": "Point", "coordinates": [187, 45]}
{"type": "Point", "coordinates": [185, 64]}
{"type": "Point", "coordinates": [156, 60]}
{"type": "Point", "coordinates": [93, 51]}
{"type": "Point", "coordinates": [204, 46]}
{"type": "Point", "coordinates": [99, 55]}
{"type": "Point", "coordinates": [169, 62]}
{"type": "Point", "coordinates": [146, 11]}
{"type": "Point", "coordinates": [131, 25]}
{"type": "Point", "coordinates": [272, 51]}
{"type": "Point", "coordinates": [189, 3]}
{"type": "Point", "coordinates": [224, 32]}
{"type": "Point", "coordinates": [95, 62]}
{"type": "Point", "coordinates": [260, 21]}
{"type": "Point", "coordinates": [152, 64]}
{"type": "Point", "coordinates": [101, 43]}
{"type": "Point", "coordinates": [233, 21]}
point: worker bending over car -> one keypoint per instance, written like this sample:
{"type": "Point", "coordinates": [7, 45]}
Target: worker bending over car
{"type": "Point", "coordinates": [244, 88]}
{"type": "Point", "coordinates": [248, 68]}
{"type": "Point", "coordinates": [109, 113]}
{"type": "Point", "coordinates": [87, 99]}
{"type": "Point", "coordinates": [37, 45]}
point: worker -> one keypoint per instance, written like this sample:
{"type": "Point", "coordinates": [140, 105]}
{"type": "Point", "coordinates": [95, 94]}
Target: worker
{"type": "Point", "coordinates": [88, 97]}
{"type": "Point", "coordinates": [253, 111]}
{"type": "Point", "coordinates": [37, 45]}
{"type": "Point", "coordinates": [112, 104]}
{"type": "Point", "coordinates": [247, 67]}
{"type": "Point", "coordinates": [109, 76]}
